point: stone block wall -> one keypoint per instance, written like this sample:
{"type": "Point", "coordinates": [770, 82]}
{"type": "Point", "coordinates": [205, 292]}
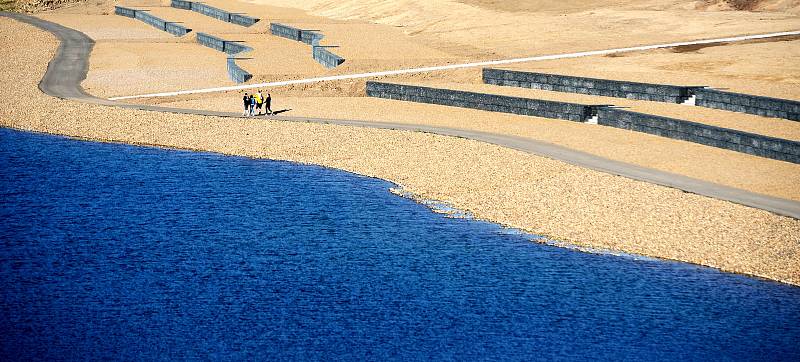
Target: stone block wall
{"type": "Point", "coordinates": [310, 37]}
{"type": "Point", "coordinates": [217, 43]}
{"type": "Point", "coordinates": [583, 85]}
{"type": "Point", "coordinates": [319, 53]}
{"type": "Point", "coordinates": [211, 41]}
{"type": "Point", "coordinates": [710, 98]}
{"type": "Point", "coordinates": [161, 24]}
{"type": "Point", "coordinates": [745, 103]}
{"type": "Point", "coordinates": [750, 143]}
{"type": "Point", "coordinates": [323, 56]}
{"type": "Point", "coordinates": [232, 47]}
{"type": "Point", "coordinates": [151, 20]}
{"type": "Point", "coordinates": [285, 31]}
{"type": "Point", "coordinates": [180, 4]}
{"type": "Point", "coordinates": [487, 102]}
{"type": "Point", "coordinates": [235, 72]}
{"type": "Point", "coordinates": [243, 20]}
{"type": "Point", "coordinates": [213, 12]}
{"type": "Point", "coordinates": [130, 13]}
{"type": "Point", "coordinates": [176, 29]}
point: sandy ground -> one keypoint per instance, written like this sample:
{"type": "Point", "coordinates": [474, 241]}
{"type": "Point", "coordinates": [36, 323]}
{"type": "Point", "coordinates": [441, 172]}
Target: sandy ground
{"type": "Point", "coordinates": [534, 27]}
{"type": "Point", "coordinates": [380, 35]}
{"type": "Point", "coordinates": [767, 68]}
{"type": "Point", "coordinates": [366, 47]}
{"type": "Point", "coordinates": [516, 189]}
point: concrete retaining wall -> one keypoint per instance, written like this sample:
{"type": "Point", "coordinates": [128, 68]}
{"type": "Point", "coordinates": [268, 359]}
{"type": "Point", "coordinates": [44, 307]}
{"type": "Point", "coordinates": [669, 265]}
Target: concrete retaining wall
{"type": "Point", "coordinates": [754, 144]}
{"type": "Point", "coordinates": [151, 20]}
{"type": "Point", "coordinates": [310, 37]}
{"type": "Point", "coordinates": [236, 48]}
{"type": "Point", "coordinates": [211, 41]}
{"type": "Point", "coordinates": [119, 10]}
{"type": "Point", "coordinates": [216, 43]}
{"type": "Point", "coordinates": [213, 12]}
{"type": "Point", "coordinates": [319, 53]}
{"type": "Point", "coordinates": [285, 31]}
{"type": "Point", "coordinates": [243, 20]}
{"type": "Point", "coordinates": [161, 24]}
{"type": "Point", "coordinates": [745, 103]}
{"type": "Point", "coordinates": [710, 98]}
{"type": "Point", "coordinates": [583, 85]}
{"type": "Point", "coordinates": [236, 73]}
{"type": "Point", "coordinates": [180, 4]}
{"type": "Point", "coordinates": [175, 29]}
{"type": "Point", "coordinates": [326, 58]}
{"type": "Point", "coordinates": [487, 102]}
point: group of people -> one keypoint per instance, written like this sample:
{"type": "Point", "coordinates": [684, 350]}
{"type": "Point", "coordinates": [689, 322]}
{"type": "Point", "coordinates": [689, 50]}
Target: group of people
{"type": "Point", "coordinates": [254, 102]}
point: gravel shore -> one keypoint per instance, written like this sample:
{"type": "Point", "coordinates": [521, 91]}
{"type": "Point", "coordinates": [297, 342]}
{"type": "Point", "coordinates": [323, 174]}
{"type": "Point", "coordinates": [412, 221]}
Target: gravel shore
{"type": "Point", "coordinates": [535, 194]}
{"type": "Point", "coordinates": [711, 164]}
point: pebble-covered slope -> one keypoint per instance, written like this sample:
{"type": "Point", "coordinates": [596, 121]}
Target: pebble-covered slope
{"type": "Point", "coordinates": [32, 6]}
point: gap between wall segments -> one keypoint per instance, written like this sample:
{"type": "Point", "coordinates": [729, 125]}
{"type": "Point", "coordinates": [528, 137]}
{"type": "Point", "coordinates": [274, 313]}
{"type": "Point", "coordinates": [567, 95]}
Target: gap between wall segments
{"type": "Point", "coordinates": [459, 66]}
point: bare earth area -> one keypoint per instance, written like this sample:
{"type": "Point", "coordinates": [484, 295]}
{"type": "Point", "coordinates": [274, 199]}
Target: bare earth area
{"type": "Point", "coordinates": [380, 35]}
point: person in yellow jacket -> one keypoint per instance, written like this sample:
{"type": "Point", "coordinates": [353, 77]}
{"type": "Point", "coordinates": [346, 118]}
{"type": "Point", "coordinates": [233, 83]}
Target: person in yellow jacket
{"type": "Point", "coordinates": [259, 101]}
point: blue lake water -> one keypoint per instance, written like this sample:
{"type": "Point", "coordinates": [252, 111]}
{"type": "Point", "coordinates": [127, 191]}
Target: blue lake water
{"type": "Point", "coordinates": [118, 252]}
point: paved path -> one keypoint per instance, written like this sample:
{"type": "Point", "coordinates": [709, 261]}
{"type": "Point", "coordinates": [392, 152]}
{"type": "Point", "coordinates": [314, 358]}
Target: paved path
{"type": "Point", "coordinates": [70, 64]}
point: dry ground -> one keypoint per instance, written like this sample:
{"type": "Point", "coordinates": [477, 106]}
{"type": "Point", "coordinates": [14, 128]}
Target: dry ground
{"type": "Point", "coordinates": [379, 35]}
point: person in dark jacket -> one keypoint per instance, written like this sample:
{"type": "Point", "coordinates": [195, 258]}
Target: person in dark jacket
{"type": "Point", "coordinates": [252, 105]}
{"type": "Point", "coordinates": [246, 102]}
{"type": "Point", "coordinates": [268, 104]}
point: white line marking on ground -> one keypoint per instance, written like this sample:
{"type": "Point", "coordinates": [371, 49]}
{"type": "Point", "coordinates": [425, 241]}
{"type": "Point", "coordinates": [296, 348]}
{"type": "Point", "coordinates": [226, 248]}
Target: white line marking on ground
{"type": "Point", "coordinates": [459, 66]}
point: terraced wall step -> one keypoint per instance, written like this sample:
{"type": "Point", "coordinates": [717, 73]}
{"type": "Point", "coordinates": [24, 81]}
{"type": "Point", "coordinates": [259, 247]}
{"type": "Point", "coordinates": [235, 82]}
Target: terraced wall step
{"type": "Point", "coordinates": [156, 22]}
{"type": "Point", "coordinates": [746, 103]}
{"type": "Point", "coordinates": [235, 72]}
{"type": "Point", "coordinates": [320, 53]}
{"type": "Point", "coordinates": [704, 97]}
{"type": "Point", "coordinates": [750, 143]}
{"type": "Point", "coordinates": [584, 85]}
{"type": "Point", "coordinates": [210, 11]}
{"type": "Point", "coordinates": [487, 102]}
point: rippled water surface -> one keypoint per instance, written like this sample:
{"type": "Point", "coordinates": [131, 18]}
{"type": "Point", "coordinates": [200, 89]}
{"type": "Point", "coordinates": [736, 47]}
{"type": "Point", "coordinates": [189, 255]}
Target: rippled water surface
{"type": "Point", "coordinates": [119, 252]}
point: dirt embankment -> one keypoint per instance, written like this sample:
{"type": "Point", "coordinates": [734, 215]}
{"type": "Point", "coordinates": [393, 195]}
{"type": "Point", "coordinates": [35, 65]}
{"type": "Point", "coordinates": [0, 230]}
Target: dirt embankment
{"type": "Point", "coordinates": [789, 6]}
{"type": "Point", "coordinates": [34, 6]}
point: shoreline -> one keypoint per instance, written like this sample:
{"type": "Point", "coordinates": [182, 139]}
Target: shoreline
{"type": "Point", "coordinates": [439, 207]}
{"type": "Point", "coordinates": [494, 183]}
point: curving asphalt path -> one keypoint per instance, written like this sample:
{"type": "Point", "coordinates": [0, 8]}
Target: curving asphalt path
{"type": "Point", "coordinates": [69, 67]}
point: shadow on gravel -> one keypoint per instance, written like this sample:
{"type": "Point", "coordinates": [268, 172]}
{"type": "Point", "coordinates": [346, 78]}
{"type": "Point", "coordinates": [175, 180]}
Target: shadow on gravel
{"type": "Point", "coordinates": [696, 47]}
